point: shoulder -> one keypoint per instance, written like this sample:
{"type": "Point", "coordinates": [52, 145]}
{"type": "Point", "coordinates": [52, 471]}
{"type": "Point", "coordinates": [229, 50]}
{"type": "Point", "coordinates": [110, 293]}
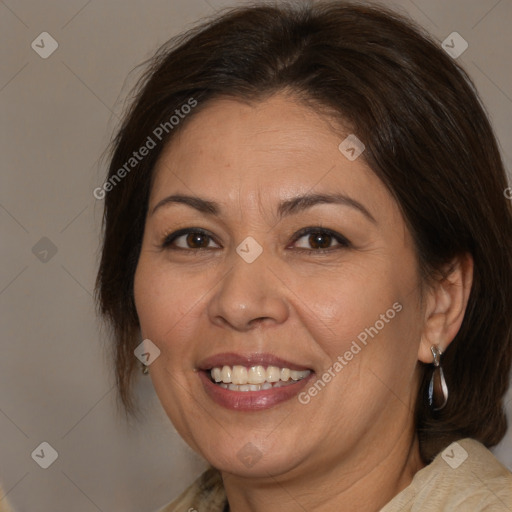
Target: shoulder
{"type": "Point", "coordinates": [206, 494]}
{"type": "Point", "coordinates": [465, 477]}
{"type": "Point", "coordinates": [4, 504]}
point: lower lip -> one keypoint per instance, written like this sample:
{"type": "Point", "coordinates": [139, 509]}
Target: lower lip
{"type": "Point", "coordinates": [251, 400]}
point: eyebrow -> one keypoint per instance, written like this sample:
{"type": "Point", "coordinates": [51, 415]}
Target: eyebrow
{"type": "Point", "coordinates": [288, 207]}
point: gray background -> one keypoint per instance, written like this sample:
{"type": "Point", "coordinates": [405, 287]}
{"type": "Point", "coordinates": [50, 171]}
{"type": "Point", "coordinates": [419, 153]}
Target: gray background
{"type": "Point", "coordinates": [57, 116]}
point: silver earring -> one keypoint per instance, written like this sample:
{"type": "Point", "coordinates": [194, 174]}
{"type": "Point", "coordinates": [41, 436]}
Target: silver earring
{"type": "Point", "coordinates": [145, 369]}
{"type": "Point", "coordinates": [437, 388]}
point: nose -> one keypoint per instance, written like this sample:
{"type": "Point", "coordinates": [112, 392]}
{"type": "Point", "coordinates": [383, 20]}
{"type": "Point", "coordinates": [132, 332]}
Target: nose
{"type": "Point", "coordinates": [249, 295]}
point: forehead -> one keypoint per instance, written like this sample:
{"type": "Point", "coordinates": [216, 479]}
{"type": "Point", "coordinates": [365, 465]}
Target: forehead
{"type": "Point", "coordinates": [274, 148]}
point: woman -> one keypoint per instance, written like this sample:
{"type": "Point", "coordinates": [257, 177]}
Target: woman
{"type": "Point", "coordinates": [305, 222]}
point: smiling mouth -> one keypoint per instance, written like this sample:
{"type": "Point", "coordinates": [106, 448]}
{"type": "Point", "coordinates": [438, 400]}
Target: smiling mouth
{"type": "Point", "coordinates": [254, 378]}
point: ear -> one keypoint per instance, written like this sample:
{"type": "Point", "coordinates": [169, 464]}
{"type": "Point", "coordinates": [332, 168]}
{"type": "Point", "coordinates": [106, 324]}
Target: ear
{"type": "Point", "coordinates": [446, 302]}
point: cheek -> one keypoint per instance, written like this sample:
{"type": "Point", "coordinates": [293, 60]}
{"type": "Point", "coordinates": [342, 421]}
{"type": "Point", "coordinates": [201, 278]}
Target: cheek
{"type": "Point", "coordinates": [340, 306]}
{"type": "Point", "coordinates": [168, 304]}
{"type": "Point", "coordinates": [365, 320]}
{"type": "Point", "coordinates": [148, 298]}
{"type": "Point", "coordinates": [167, 317]}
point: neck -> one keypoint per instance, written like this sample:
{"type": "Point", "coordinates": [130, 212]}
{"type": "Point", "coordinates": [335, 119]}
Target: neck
{"type": "Point", "coordinates": [363, 483]}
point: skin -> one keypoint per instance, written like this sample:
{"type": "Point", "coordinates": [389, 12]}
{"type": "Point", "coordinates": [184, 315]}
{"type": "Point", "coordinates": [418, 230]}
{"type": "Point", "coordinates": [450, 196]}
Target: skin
{"type": "Point", "coordinates": [353, 446]}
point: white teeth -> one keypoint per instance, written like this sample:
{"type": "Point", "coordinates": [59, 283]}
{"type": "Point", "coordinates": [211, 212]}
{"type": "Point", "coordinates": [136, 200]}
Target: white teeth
{"type": "Point", "coordinates": [239, 375]}
{"type": "Point", "coordinates": [273, 374]}
{"type": "Point", "coordinates": [217, 374]}
{"type": "Point", "coordinates": [255, 378]}
{"type": "Point", "coordinates": [226, 374]}
{"type": "Point", "coordinates": [256, 375]}
{"type": "Point", "coordinates": [285, 374]}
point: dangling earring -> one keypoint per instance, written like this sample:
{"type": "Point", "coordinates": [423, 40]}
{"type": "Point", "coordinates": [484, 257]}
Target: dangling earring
{"type": "Point", "coordinates": [437, 387]}
{"type": "Point", "coordinates": [144, 368]}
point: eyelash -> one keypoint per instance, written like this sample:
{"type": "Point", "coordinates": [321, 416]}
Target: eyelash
{"type": "Point", "coordinates": [169, 239]}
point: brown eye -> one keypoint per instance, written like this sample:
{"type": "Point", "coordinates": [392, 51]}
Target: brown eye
{"type": "Point", "coordinates": [189, 239]}
{"type": "Point", "coordinates": [320, 239]}
{"type": "Point", "coordinates": [197, 240]}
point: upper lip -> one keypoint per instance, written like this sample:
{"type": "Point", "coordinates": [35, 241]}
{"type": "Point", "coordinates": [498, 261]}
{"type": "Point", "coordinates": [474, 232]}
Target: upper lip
{"type": "Point", "coordinates": [252, 359]}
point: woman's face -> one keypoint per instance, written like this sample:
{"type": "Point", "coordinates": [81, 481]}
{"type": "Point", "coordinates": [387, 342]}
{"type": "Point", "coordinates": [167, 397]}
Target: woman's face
{"type": "Point", "coordinates": [296, 258]}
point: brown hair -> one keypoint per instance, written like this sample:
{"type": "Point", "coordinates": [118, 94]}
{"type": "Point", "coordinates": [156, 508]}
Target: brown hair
{"type": "Point", "coordinates": [427, 138]}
